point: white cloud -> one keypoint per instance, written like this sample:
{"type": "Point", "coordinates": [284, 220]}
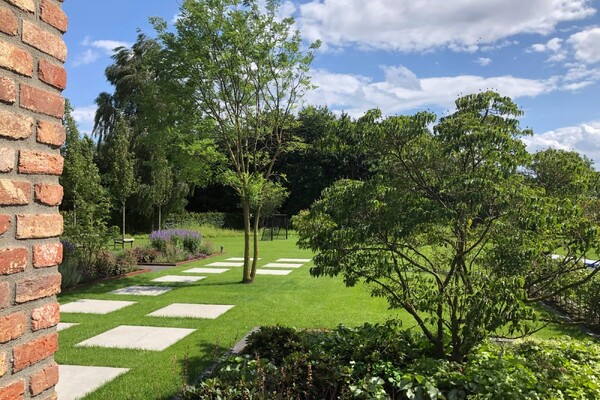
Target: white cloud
{"type": "Point", "coordinates": [586, 45]}
{"type": "Point", "coordinates": [483, 61]}
{"type": "Point", "coordinates": [87, 57]}
{"type": "Point", "coordinates": [553, 46]}
{"type": "Point", "coordinates": [402, 91]}
{"type": "Point", "coordinates": [419, 25]}
{"type": "Point", "coordinates": [176, 18]}
{"type": "Point", "coordinates": [108, 46]}
{"type": "Point", "coordinates": [584, 138]}
{"type": "Point", "coordinates": [84, 116]}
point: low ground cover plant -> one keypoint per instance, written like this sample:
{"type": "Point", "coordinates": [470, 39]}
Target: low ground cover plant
{"type": "Point", "coordinates": [383, 361]}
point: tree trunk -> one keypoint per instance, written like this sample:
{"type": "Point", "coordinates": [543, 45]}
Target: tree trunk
{"type": "Point", "coordinates": [247, 278]}
{"type": "Point", "coordinates": [74, 215]}
{"type": "Point", "coordinates": [123, 210]}
{"type": "Point", "coordinates": [159, 217]}
{"type": "Point", "coordinates": [255, 255]}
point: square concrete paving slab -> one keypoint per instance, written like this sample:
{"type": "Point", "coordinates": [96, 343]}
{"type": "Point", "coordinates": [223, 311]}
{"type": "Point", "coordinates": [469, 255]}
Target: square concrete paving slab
{"type": "Point", "coordinates": [64, 325]}
{"type": "Point", "coordinates": [209, 311]}
{"type": "Point", "coordinates": [88, 306]}
{"type": "Point", "coordinates": [294, 260]}
{"type": "Point", "coordinates": [273, 271]}
{"type": "Point", "coordinates": [137, 337]}
{"type": "Point", "coordinates": [281, 265]}
{"type": "Point", "coordinates": [225, 264]}
{"type": "Point", "coordinates": [143, 290]}
{"type": "Point", "coordinates": [78, 380]}
{"type": "Point", "coordinates": [204, 270]}
{"type": "Point", "coordinates": [239, 258]}
{"type": "Point", "coordinates": [179, 278]}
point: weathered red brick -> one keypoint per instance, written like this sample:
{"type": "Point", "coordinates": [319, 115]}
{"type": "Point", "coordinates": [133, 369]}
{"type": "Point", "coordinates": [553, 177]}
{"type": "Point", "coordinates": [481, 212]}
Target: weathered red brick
{"type": "Point", "coordinates": [15, 126]}
{"type": "Point", "coordinates": [4, 296]}
{"type": "Point", "coordinates": [27, 5]}
{"type": "Point", "coordinates": [47, 255]}
{"type": "Point", "coordinates": [37, 288]}
{"type": "Point", "coordinates": [36, 162]}
{"type": "Point", "coordinates": [8, 89]}
{"type": "Point", "coordinates": [44, 41]}
{"type": "Point", "coordinates": [35, 351]}
{"type": "Point", "coordinates": [8, 22]}
{"type": "Point", "coordinates": [45, 316]}
{"type": "Point", "coordinates": [14, 192]}
{"type": "Point", "coordinates": [13, 391]}
{"type": "Point", "coordinates": [44, 379]}
{"type": "Point", "coordinates": [3, 364]}
{"type": "Point", "coordinates": [38, 226]}
{"type": "Point", "coordinates": [5, 221]}
{"type": "Point", "coordinates": [42, 101]}
{"type": "Point", "coordinates": [50, 195]}
{"type": "Point", "coordinates": [7, 159]}
{"type": "Point", "coordinates": [15, 59]}
{"type": "Point", "coordinates": [51, 133]}
{"type": "Point", "coordinates": [12, 326]}
{"type": "Point", "coordinates": [54, 15]}
{"type": "Point", "coordinates": [52, 74]}
{"type": "Point", "coordinates": [13, 260]}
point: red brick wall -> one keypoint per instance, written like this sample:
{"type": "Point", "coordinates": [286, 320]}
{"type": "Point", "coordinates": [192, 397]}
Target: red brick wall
{"type": "Point", "coordinates": [32, 76]}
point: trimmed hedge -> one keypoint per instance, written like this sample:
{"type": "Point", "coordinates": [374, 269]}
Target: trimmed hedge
{"type": "Point", "coordinates": [216, 219]}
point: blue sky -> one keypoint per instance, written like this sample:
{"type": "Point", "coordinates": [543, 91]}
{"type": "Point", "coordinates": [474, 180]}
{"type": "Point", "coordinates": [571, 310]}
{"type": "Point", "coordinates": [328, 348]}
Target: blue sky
{"type": "Point", "coordinates": [403, 56]}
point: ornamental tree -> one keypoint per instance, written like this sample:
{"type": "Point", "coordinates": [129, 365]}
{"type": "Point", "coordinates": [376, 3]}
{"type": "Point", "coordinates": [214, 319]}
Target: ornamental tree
{"type": "Point", "coordinates": [450, 227]}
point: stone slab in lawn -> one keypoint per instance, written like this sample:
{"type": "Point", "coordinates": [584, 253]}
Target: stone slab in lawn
{"type": "Point", "coordinates": [64, 325]}
{"type": "Point", "coordinates": [143, 290]}
{"type": "Point", "coordinates": [281, 265]}
{"type": "Point", "coordinates": [78, 380]}
{"type": "Point", "coordinates": [137, 337]}
{"type": "Point", "coordinates": [294, 260]}
{"type": "Point", "coordinates": [273, 271]}
{"type": "Point", "coordinates": [204, 270]}
{"type": "Point", "coordinates": [238, 259]}
{"type": "Point", "coordinates": [179, 278]}
{"type": "Point", "coordinates": [88, 306]}
{"type": "Point", "coordinates": [225, 264]}
{"type": "Point", "coordinates": [178, 310]}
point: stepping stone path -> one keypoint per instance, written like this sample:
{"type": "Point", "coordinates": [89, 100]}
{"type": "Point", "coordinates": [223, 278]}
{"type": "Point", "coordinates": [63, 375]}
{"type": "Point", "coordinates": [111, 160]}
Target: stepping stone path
{"type": "Point", "coordinates": [87, 306]}
{"type": "Point", "coordinates": [137, 337]}
{"type": "Point", "coordinates": [179, 278]}
{"type": "Point", "coordinates": [209, 311]}
{"type": "Point", "coordinates": [281, 265]}
{"type": "Point", "coordinates": [273, 271]}
{"type": "Point", "coordinates": [143, 290]}
{"type": "Point", "coordinates": [204, 270]}
{"type": "Point", "coordinates": [64, 325]}
{"type": "Point", "coordinates": [226, 264]}
{"type": "Point", "coordinates": [77, 380]}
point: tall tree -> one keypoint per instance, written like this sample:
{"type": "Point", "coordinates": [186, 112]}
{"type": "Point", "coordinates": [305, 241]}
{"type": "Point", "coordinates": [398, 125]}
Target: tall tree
{"type": "Point", "coordinates": [244, 68]}
{"type": "Point", "coordinates": [121, 178]}
{"type": "Point", "coordinates": [449, 228]}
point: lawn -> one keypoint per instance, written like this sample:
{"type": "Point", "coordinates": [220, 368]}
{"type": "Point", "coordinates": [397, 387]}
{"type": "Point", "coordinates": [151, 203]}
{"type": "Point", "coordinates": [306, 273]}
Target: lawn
{"type": "Point", "coordinates": [295, 300]}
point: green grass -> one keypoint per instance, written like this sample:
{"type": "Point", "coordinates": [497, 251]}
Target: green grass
{"type": "Point", "coordinates": [296, 300]}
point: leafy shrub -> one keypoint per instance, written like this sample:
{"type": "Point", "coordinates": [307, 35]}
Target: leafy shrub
{"type": "Point", "coordinates": [383, 362]}
{"type": "Point", "coordinates": [104, 265]}
{"type": "Point", "coordinates": [206, 247]}
{"type": "Point", "coordinates": [124, 263]}
{"type": "Point", "coordinates": [215, 219]}
{"type": "Point", "coordinates": [69, 268]}
{"type": "Point", "coordinates": [145, 255]}
{"type": "Point", "coordinates": [184, 239]}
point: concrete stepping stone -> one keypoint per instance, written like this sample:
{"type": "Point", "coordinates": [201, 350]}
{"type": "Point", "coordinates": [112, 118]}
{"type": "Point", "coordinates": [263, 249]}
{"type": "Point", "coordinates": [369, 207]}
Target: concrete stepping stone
{"type": "Point", "coordinates": [143, 290]}
{"type": "Point", "coordinates": [209, 311]}
{"type": "Point", "coordinates": [88, 306]}
{"type": "Point", "coordinates": [294, 260]}
{"type": "Point", "coordinates": [225, 264]}
{"type": "Point", "coordinates": [240, 259]}
{"type": "Point", "coordinates": [204, 270]}
{"type": "Point", "coordinates": [179, 278]}
{"type": "Point", "coordinates": [281, 265]}
{"type": "Point", "coordinates": [273, 271]}
{"type": "Point", "coordinates": [78, 380]}
{"type": "Point", "coordinates": [64, 325]}
{"type": "Point", "coordinates": [137, 337]}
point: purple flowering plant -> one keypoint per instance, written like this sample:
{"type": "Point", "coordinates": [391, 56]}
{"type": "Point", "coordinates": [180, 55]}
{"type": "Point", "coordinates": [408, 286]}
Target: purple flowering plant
{"type": "Point", "coordinates": [186, 240]}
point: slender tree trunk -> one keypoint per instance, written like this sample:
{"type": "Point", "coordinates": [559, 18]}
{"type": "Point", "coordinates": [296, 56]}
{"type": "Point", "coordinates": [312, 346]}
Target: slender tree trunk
{"type": "Point", "coordinates": [247, 278]}
{"type": "Point", "coordinates": [123, 210]}
{"type": "Point", "coordinates": [255, 255]}
{"type": "Point", "coordinates": [74, 214]}
{"type": "Point", "coordinates": [159, 217]}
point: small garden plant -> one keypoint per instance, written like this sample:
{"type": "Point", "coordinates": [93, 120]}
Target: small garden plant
{"type": "Point", "coordinates": [174, 245]}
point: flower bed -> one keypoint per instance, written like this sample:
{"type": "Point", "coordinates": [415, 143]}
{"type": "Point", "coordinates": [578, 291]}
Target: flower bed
{"type": "Point", "coordinates": [173, 247]}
